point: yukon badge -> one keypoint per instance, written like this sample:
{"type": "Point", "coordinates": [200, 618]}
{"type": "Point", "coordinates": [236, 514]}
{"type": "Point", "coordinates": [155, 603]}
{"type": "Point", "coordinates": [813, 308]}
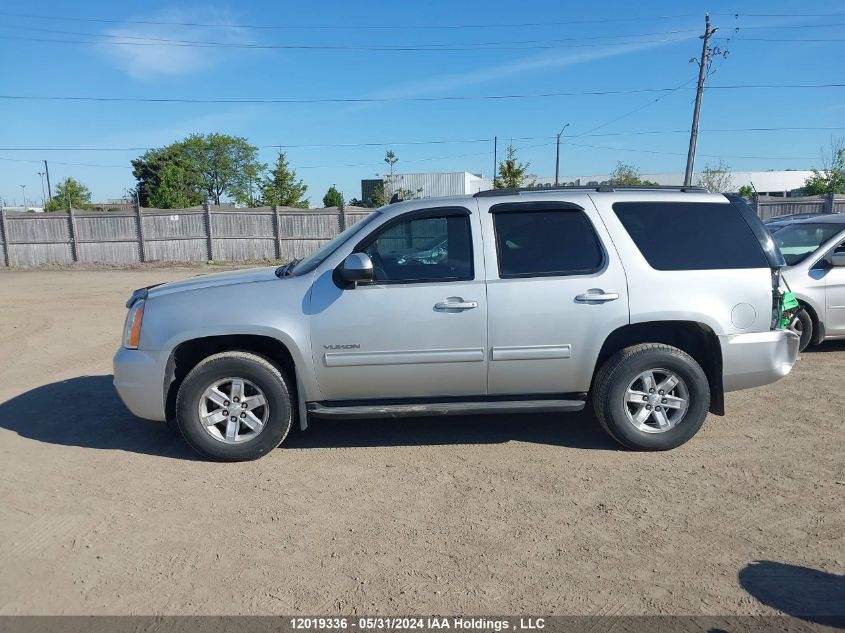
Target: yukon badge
{"type": "Point", "coordinates": [350, 346]}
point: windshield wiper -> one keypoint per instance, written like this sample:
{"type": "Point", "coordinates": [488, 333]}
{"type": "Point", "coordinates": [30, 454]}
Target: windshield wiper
{"type": "Point", "coordinates": [286, 269]}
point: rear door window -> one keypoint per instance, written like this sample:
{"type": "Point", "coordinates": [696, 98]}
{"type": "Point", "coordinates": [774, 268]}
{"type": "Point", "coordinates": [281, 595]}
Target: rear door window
{"type": "Point", "coordinates": [544, 239]}
{"type": "Point", "coordinates": [691, 235]}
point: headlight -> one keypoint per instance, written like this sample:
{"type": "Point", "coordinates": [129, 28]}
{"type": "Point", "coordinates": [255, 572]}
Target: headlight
{"type": "Point", "coordinates": [132, 328]}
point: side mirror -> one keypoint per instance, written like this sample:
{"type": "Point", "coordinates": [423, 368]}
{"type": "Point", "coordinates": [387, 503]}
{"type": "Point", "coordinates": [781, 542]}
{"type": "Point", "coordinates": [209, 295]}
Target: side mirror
{"type": "Point", "coordinates": [837, 260]}
{"type": "Point", "coordinates": [357, 268]}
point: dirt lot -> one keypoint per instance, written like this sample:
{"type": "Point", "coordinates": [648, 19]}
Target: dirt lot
{"type": "Point", "coordinates": [104, 513]}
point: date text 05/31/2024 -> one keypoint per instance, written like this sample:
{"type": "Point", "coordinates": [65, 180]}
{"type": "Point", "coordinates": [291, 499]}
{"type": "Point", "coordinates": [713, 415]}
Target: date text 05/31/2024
{"type": "Point", "coordinates": [415, 623]}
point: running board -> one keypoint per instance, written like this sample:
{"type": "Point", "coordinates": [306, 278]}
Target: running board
{"type": "Point", "coordinates": [357, 412]}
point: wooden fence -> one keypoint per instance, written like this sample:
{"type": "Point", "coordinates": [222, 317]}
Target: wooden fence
{"type": "Point", "coordinates": [221, 233]}
{"type": "Point", "coordinates": [769, 207]}
{"type": "Point", "coordinates": [176, 235]}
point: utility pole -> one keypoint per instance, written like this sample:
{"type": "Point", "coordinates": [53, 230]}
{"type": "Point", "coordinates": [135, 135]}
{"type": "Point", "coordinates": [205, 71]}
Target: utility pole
{"type": "Point", "coordinates": [557, 156]}
{"type": "Point", "coordinates": [495, 159]}
{"type": "Point", "coordinates": [23, 193]}
{"type": "Point", "coordinates": [702, 75]}
{"type": "Point", "coordinates": [49, 190]}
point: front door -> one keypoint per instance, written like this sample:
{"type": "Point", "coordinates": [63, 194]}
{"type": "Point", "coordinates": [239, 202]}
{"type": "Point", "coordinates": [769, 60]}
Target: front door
{"type": "Point", "coordinates": [835, 298]}
{"type": "Point", "coordinates": [555, 291]}
{"type": "Point", "coordinates": [420, 329]}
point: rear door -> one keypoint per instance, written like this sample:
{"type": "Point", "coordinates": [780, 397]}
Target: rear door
{"type": "Point", "coordinates": [555, 290]}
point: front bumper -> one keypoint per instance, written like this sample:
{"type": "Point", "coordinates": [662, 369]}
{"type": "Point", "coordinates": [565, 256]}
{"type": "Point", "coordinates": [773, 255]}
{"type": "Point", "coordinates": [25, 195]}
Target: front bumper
{"type": "Point", "coordinates": [139, 378]}
{"type": "Point", "coordinates": [758, 358]}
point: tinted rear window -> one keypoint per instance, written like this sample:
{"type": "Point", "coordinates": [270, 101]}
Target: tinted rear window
{"type": "Point", "coordinates": [691, 235]}
{"type": "Point", "coordinates": [534, 240]}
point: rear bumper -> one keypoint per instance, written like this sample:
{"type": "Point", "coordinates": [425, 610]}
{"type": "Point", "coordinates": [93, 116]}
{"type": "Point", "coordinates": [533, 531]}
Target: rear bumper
{"type": "Point", "coordinates": [758, 358]}
{"type": "Point", "coordinates": [139, 379]}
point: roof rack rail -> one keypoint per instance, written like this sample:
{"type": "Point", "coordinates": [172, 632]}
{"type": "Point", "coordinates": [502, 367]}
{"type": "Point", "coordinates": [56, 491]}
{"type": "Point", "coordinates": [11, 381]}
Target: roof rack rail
{"type": "Point", "coordinates": [600, 188]}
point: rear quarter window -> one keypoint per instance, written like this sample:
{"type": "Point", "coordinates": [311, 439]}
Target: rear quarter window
{"type": "Point", "coordinates": [691, 235]}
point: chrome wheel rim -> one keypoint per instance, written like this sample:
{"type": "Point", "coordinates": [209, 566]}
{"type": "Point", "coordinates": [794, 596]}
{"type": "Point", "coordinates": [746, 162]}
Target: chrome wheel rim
{"type": "Point", "coordinates": [656, 400]}
{"type": "Point", "coordinates": [233, 410]}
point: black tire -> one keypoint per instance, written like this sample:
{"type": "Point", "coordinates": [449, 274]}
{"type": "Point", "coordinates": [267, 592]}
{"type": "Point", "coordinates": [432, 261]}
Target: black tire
{"type": "Point", "coordinates": [244, 365]}
{"type": "Point", "coordinates": [803, 325]}
{"type": "Point", "coordinates": [614, 378]}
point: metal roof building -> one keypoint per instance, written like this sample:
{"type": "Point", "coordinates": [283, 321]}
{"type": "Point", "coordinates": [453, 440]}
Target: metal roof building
{"type": "Point", "coordinates": [431, 185]}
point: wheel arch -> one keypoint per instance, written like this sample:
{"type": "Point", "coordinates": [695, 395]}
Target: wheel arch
{"type": "Point", "coordinates": [818, 326]}
{"type": "Point", "coordinates": [695, 338]}
{"type": "Point", "coordinates": [187, 354]}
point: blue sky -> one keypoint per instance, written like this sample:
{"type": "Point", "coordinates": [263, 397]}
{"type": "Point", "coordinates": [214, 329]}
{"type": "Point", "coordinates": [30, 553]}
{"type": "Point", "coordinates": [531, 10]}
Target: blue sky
{"type": "Point", "coordinates": [544, 47]}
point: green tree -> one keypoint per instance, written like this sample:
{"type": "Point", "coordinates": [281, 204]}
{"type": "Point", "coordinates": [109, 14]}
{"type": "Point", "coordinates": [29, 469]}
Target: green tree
{"type": "Point", "coordinates": [178, 188]}
{"type": "Point", "coordinates": [629, 175]}
{"type": "Point", "coordinates": [391, 184]}
{"type": "Point", "coordinates": [384, 195]}
{"type": "Point", "coordinates": [511, 171]}
{"type": "Point", "coordinates": [716, 178]}
{"type": "Point", "coordinates": [333, 198]}
{"type": "Point", "coordinates": [282, 188]}
{"type": "Point", "coordinates": [149, 168]}
{"type": "Point", "coordinates": [831, 177]}
{"type": "Point", "coordinates": [198, 168]}
{"type": "Point", "coordinates": [70, 193]}
{"type": "Point", "coordinates": [746, 191]}
{"type": "Point", "coordinates": [226, 165]}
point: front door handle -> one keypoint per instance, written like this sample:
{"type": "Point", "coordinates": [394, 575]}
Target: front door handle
{"type": "Point", "coordinates": [455, 303]}
{"type": "Point", "coordinates": [596, 295]}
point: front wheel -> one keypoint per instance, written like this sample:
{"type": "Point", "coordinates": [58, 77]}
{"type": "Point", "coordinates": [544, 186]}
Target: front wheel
{"type": "Point", "coordinates": [802, 324]}
{"type": "Point", "coordinates": [651, 397]}
{"type": "Point", "coordinates": [234, 406]}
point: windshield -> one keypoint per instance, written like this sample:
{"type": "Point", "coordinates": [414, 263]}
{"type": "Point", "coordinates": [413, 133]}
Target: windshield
{"type": "Point", "coordinates": [319, 256]}
{"type": "Point", "coordinates": [798, 241]}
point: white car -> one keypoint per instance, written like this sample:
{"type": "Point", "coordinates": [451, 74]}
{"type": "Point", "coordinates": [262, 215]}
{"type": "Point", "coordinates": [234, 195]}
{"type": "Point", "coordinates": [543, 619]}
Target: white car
{"type": "Point", "coordinates": [814, 251]}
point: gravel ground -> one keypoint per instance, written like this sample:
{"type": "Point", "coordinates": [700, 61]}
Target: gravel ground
{"type": "Point", "coordinates": [103, 513]}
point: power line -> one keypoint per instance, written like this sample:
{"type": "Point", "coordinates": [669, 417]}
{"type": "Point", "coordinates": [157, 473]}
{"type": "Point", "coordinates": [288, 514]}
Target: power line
{"type": "Point", "coordinates": [411, 99]}
{"type": "Point", "coordinates": [337, 47]}
{"type": "Point", "coordinates": [25, 160]}
{"type": "Point", "coordinates": [120, 40]}
{"type": "Point", "coordinates": [443, 141]}
{"type": "Point", "coordinates": [647, 151]}
{"type": "Point", "coordinates": [766, 27]}
{"type": "Point", "coordinates": [637, 109]}
{"type": "Point", "coordinates": [781, 15]}
{"type": "Point", "coordinates": [149, 40]}
{"type": "Point", "coordinates": [783, 39]}
{"type": "Point", "coordinates": [390, 27]}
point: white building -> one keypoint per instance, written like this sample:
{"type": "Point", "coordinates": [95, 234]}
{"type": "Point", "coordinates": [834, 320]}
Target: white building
{"type": "Point", "coordinates": [772, 183]}
{"type": "Point", "coordinates": [431, 185]}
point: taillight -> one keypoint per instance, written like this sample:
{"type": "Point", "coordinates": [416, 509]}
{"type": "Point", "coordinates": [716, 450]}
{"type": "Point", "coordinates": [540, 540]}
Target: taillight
{"type": "Point", "coordinates": [777, 294]}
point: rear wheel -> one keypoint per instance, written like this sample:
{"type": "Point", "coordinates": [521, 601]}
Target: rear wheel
{"type": "Point", "coordinates": [651, 397]}
{"type": "Point", "coordinates": [234, 406]}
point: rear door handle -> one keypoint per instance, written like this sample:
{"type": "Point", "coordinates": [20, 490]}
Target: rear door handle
{"type": "Point", "coordinates": [596, 296]}
{"type": "Point", "coordinates": [455, 303]}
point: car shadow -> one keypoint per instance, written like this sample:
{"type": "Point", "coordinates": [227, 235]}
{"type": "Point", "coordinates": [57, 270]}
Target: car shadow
{"type": "Point", "coordinates": [802, 592]}
{"type": "Point", "coordinates": [572, 430]}
{"type": "Point", "coordinates": [87, 412]}
{"type": "Point", "coordinates": [827, 346]}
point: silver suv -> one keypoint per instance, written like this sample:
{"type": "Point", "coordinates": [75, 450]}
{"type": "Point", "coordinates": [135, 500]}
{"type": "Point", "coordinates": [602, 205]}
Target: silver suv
{"type": "Point", "coordinates": [651, 302]}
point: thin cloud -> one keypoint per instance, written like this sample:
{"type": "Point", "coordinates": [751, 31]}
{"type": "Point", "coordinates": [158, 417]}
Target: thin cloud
{"type": "Point", "coordinates": [150, 60]}
{"type": "Point", "coordinates": [535, 63]}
